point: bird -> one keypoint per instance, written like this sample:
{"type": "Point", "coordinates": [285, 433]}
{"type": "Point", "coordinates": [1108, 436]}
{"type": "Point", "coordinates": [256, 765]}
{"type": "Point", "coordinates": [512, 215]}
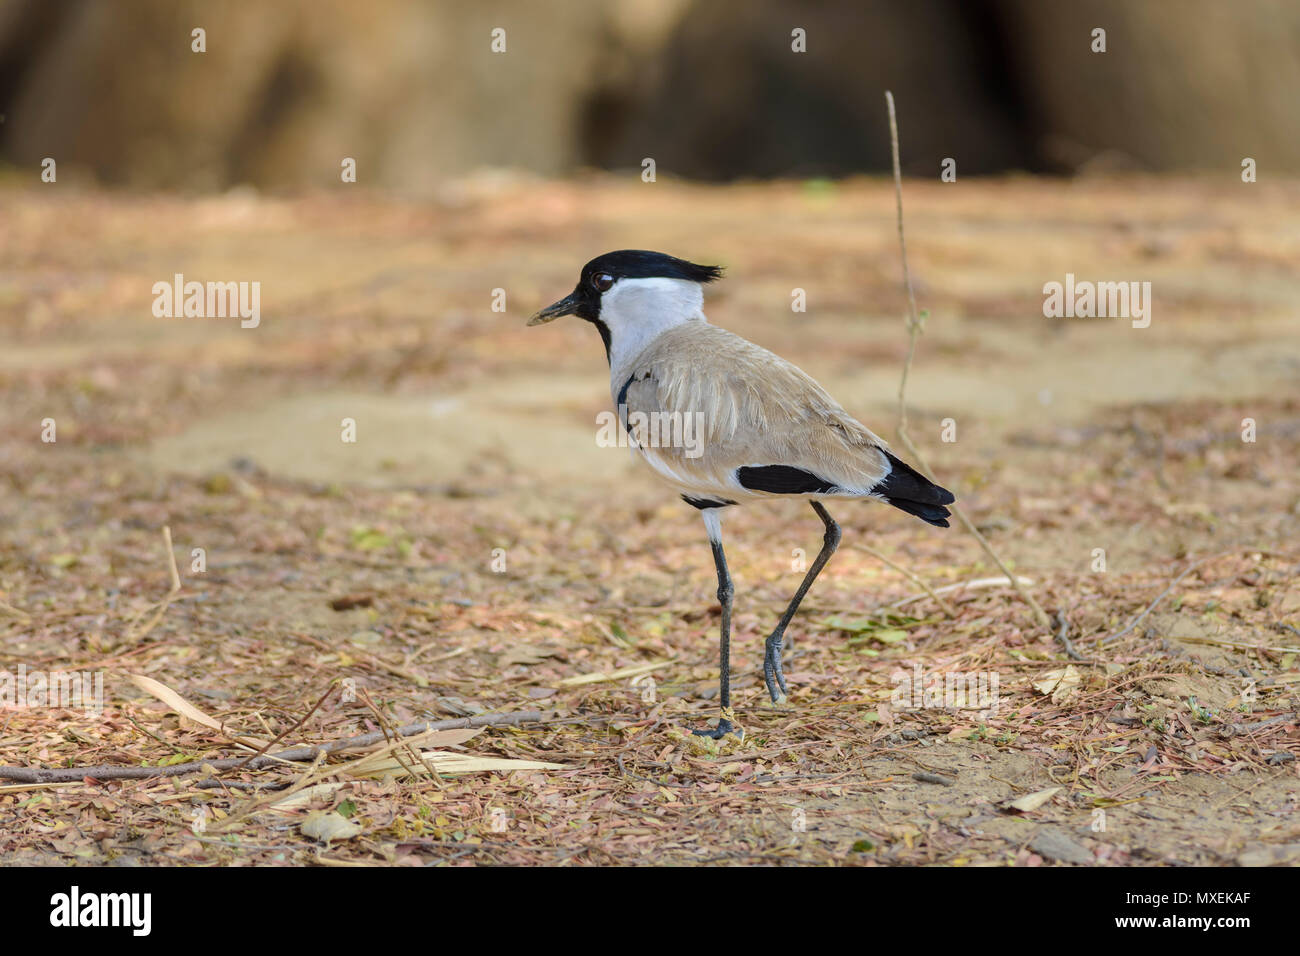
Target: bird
{"type": "Point", "coordinates": [763, 429]}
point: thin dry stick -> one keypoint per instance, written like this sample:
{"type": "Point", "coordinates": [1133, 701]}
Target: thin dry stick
{"type": "Point", "coordinates": [310, 775]}
{"type": "Point", "coordinates": [1215, 642]}
{"type": "Point", "coordinates": [914, 329]}
{"type": "Point", "coordinates": [1234, 729]}
{"type": "Point", "coordinates": [306, 752]}
{"type": "Point", "coordinates": [171, 559]}
{"type": "Point", "coordinates": [370, 660]}
{"type": "Point", "coordinates": [396, 744]}
{"type": "Point", "coordinates": [943, 605]}
{"type": "Point", "coordinates": [287, 731]}
{"type": "Point", "coordinates": [1063, 638]}
{"type": "Point", "coordinates": [978, 584]}
{"type": "Point", "coordinates": [167, 599]}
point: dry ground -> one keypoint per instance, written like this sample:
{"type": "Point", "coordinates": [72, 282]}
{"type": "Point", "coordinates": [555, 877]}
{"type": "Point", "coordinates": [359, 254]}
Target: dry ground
{"type": "Point", "coordinates": [476, 434]}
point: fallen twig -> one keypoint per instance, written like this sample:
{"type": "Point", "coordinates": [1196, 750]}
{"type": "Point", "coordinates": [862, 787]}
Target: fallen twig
{"type": "Point", "coordinates": [307, 716]}
{"type": "Point", "coordinates": [1240, 645]}
{"type": "Point", "coordinates": [256, 803]}
{"type": "Point", "coordinates": [306, 752]}
{"type": "Point", "coordinates": [919, 582]}
{"type": "Point", "coordinates": [165, 603]}
{"type": "Point", "coordinates": [1232, 730]}
{"type": "Point", "coordinates": [214, 784]}
{"type": "Point", "coordinates": [1063, 638]}
{"type": "Point", "coordinates": [975, 585]}
{"type": "Point", "coordinates": [413, 757]}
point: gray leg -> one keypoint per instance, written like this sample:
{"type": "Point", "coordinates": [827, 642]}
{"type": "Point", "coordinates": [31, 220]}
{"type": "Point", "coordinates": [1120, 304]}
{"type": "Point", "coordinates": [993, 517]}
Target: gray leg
{"type": "Point", "coordinates": [772, 672]}
{"type": "Point", "coordinates": [725, 592]}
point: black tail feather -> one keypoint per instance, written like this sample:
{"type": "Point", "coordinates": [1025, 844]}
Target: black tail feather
{"type": "Point", "coordinates": [930, 514]}
{"type": "Point", "coordinates": [908, 490]}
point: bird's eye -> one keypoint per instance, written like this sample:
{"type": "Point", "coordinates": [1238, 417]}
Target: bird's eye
{"type": "Point", "coordinates": [602, 281]}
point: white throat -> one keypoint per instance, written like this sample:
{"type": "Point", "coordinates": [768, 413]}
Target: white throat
{"type": "Point", "coordinates": [638, 311]}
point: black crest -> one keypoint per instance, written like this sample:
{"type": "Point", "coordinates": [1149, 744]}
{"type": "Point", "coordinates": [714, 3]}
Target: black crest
{"type": "Point", "coordinates": [643, 264]}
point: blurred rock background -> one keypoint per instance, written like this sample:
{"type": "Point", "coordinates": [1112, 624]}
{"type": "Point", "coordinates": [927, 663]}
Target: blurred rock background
{"type": "Point", "coordinates": [709, 88]}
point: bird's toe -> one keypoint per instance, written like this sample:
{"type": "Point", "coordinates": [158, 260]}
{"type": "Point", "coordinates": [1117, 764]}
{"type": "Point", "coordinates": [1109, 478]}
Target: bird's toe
{"type": "Point", "coordinates": [724, 738]}
{"type": "Point", "coordinates": [715, 733]}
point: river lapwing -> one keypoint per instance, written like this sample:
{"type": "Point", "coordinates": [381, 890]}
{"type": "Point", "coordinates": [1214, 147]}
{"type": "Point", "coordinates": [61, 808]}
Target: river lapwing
{"type": "Point", "coordinates": [762, 428]}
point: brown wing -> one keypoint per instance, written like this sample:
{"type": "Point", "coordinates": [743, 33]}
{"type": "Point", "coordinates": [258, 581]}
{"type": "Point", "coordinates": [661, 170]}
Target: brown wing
{"type": "Point", "coordinates": [736, 405]}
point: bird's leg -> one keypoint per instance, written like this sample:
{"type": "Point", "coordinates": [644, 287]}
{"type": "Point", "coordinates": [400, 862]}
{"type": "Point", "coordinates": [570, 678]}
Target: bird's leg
{"type": "Point", "coordinates": [725, 592]}
{"type": "Point", "coordinates": [772, 672]}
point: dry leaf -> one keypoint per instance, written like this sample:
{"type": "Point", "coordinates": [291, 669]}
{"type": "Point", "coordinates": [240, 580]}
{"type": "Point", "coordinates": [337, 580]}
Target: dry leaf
{"type": "Point", "coordinates": [441, 762]}
{"type": "Point", "coordinates": [326, 827]}
{"type": "Point", "coordinates": [187, 710]}
{"type": "Point", "coordinates": [1059, 682]}
{"type": "Point", "coordinates": [1032, 801]}
{"type": "Point", "coordinates": [526, 655]}
{"type": "Point", "coordinates": [612, 675]}
{"type": "Point", "coordinates": [306, 796]}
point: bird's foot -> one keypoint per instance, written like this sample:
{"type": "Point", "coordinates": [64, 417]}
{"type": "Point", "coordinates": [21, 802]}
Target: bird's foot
{"type": "Point", "coordinates": [726, 726]}
{"type": "Point", "coordinates": [716, 733]}
{"type": "Point", "coordinates": [773, 675]}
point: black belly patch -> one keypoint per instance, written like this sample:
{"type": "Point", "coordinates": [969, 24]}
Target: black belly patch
{"type": "Point", "coordinates": [783, 480]}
